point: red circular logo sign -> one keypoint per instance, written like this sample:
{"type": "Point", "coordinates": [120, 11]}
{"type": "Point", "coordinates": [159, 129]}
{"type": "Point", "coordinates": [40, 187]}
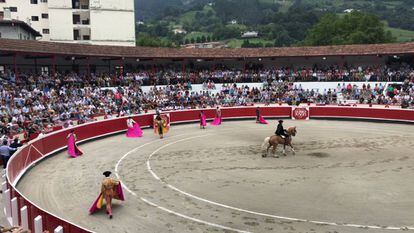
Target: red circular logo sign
{"type": "Point", "coordinates": [300, 114]}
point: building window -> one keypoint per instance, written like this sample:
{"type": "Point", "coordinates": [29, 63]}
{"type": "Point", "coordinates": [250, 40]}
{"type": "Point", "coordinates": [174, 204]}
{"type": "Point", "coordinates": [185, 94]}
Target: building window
{"type": "Point", "coordinates": [13, 9]}
{"type": "Point", "coordinates": [33, 1]}
{"type": "Point", "coordinates": [76, 4]}
{"type": "Point", "coordinates": [45, 16]}
{"type": "Point", "coordinates": [0, 34]}
{"type": "Point", "coordinates": [2, 1]}
{"type": "Point", "coordinates": [44, 1]}
{"type": "Point", "coordinates": [20, 36]}
{"type": "Point", "coordinates": [46, 31]}
{"type": "Point", "coordinates": [76, 19]}
{"type": "Point", "coordinates": [1, 14]}
{"type": "Point", "coordinates": [35, 18]}
{"type": "Point", "coordinates": [76, 34]}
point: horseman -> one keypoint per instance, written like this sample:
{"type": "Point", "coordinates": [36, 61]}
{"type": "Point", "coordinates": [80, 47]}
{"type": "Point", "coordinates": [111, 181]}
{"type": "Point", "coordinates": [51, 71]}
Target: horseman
{"type": "Point", "coordinates": [281, 132]}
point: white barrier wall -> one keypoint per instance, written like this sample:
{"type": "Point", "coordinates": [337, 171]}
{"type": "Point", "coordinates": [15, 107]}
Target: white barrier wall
{"type": "Point", "coordinates": [24, 218]}
{"type": "Point", "coordinates": [38, 224]}
{"type": "Point", "coordinates": [317, 86]}
{"type": "Point", "coordinates": [15, 212]}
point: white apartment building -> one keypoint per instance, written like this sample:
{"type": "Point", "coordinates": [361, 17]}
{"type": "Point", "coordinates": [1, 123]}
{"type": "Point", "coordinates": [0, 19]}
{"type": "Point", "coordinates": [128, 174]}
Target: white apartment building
{"type": "Point", "coordinates": [99, 22]}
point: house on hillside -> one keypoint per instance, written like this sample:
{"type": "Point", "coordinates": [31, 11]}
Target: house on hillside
{"type": "Point", "coordinates": [233, 22]}
{"type": "Point", "coordinates": [250, 34]}
{"type": "Point", "coordinates": [179, 31]}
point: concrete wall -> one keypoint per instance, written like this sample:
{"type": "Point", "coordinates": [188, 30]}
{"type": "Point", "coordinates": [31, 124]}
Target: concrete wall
{"type": "Point", "coordinates": [123, 5]}
{"type": "Point", "coordinates": [112, 22]}
{"type": "Point", "coordinates": [64, 4]}
{"type": "Point", "coordinates": [113, 27]}
{"type": "Point", "coordinates": [61, 22]}
{"type": "Point", "coordinates": [15, 32]}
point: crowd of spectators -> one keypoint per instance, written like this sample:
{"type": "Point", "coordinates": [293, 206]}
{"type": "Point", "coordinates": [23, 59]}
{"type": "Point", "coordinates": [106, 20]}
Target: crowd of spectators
{"type": "Point", "coordinates": [36, 103]}
{"type": "Point", "coordinates": [221, 74]}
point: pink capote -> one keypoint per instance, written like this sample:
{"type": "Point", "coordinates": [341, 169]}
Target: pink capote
{"type": "Point", "coordinates": [262, 120]}
{"type": "Point", "coordinates": [73, 149]}
{"type": "Point", "coordinates": [216, 121]}
{"type": "Point", "coordinates": [134, 132]}
{"type": "Point", "coordinates": [203, 120]}
{"type": "Point", "coordinates": [120, 196]}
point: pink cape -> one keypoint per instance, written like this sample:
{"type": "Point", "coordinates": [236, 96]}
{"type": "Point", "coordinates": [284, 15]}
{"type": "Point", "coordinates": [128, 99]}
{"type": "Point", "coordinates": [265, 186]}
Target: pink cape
{"type": "Point", "coordinates": [216, 121]}
{"type": "Point", "coordinates": [134, 132]}
{"type": "Point", "coordinates": [203, 121]}
{"type": "Point", "coordinates": [73, 149]}
{"type": "Point", "coordinates": [97, 204]}
{"type": "Point", "coordinates": [262, 120]}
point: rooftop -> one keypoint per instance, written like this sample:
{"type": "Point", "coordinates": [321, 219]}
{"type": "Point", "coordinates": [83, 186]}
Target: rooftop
{"type": "Point", "coordinates": [25, 26]}
{"type": "Point", "coordinates": [39, 47]}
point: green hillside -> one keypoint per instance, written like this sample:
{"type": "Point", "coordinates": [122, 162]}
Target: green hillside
{"type": "Point", "coordinates": [278, 22]}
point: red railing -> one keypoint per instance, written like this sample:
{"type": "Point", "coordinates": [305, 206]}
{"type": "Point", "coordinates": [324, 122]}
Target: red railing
{"type": "Point", "coordinates": [38, 149]}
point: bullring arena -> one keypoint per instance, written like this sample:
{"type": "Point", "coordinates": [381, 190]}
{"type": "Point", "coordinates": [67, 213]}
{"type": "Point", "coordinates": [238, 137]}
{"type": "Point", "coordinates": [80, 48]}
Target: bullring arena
{"type": "Point", "coordinates": [216, 179]}
{"type": "Point", "coordinates": [351, 170]}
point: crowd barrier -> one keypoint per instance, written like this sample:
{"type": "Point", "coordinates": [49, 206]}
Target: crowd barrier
{"type": "Point", "coordinates": [21, 211]}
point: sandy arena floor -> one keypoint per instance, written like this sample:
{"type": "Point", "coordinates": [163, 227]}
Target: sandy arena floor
{"type": "Point", "coordinates": [345, 177]}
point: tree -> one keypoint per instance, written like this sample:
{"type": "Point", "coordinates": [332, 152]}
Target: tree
{"type": "Point", "coordinates": [198, 39]}
{"type": "Point", "coordinates": [353, 28]}
{"type": "Point", "coordinates": [186, 41]}
{"type": "Point", "coordinates": [283, 39]}
{"type": "Point", "coordinates": [192, 40]}
{"type": "Point", "coordinates": [199, 15]}
{"type": "Point", "coordinates": [146, 40]}
{"type": "Point", "coordinates": [246, 44]}
{"type": "Point", "coordinates": [208, 38]}
{"type": "Point", "coordinates": [209, 13]}
{"type": "Point", "coordinates": [203, 39]}
{"type": "Point", "coordinates": [225, 32]}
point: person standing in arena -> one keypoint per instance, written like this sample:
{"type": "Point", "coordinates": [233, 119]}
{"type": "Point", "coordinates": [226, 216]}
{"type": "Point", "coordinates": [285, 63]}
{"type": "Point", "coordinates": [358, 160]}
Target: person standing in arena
{"type": "Point", "coordinates": [259, 117]}
{"type": "Point", "coordinates": [73, 149]}
{"type": "Point", "coordinates": [110, 189]}
{"type": "Point", "coordinates": [202, 120]}
{"type": "Point", "coordinates": [107, 189]}
{"type": "Point", "coordinates": [134, 130]}
{"type": "Point", "coordinates": [217, 119]}
{"type": "Point", "coordinates": [160, 125]}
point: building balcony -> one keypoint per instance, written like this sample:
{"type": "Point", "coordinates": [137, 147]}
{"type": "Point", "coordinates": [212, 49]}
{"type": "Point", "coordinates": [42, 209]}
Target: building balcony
{"type": "Point", "coordinates": [81, 34]}
{"type": "Point", "coordinates": [81, 18]}
{"type": "Point", "coordinates": [85, 22]}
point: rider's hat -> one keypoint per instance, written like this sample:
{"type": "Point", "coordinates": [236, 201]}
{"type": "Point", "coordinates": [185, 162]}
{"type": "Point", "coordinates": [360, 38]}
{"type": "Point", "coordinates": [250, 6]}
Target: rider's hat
{"type": "Point", "coordinates": [107, 173]}
{"type": "Point", "coordinates": [280, 121]}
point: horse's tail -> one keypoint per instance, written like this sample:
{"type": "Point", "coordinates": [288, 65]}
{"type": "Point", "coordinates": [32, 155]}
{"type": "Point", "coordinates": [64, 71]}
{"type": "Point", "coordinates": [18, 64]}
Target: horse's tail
{"type": "Point", "coordinates": [265, 143]}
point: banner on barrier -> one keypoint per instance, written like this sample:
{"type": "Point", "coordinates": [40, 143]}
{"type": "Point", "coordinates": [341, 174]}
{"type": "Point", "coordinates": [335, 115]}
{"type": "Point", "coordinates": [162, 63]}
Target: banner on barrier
{"type": "Point", "coordinates": [300, 113]}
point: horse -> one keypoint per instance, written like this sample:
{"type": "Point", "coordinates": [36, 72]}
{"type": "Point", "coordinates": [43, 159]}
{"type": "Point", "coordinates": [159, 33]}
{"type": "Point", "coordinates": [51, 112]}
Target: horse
{"type": "Point", "coordinates": [276, 140]}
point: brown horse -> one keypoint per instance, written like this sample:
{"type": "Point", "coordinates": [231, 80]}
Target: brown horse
{"type": "Point", "coordinates": [276, 140]}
